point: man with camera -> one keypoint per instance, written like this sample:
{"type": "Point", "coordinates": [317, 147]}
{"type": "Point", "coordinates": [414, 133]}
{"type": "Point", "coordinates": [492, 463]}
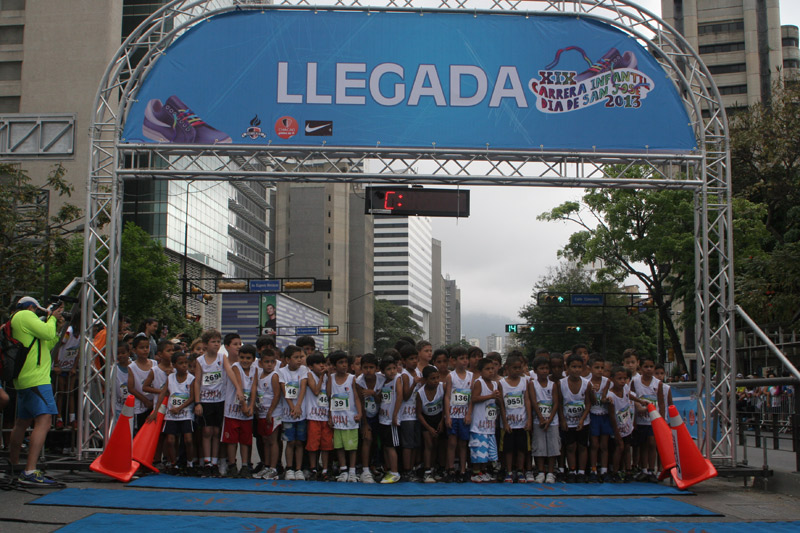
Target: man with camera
{"type": "Point", "coordinates": [35, 402]}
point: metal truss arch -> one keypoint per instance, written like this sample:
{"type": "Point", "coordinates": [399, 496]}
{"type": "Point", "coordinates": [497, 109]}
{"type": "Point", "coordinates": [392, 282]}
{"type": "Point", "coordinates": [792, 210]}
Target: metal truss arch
{"type": "Point", "coordinates": [706, 172]}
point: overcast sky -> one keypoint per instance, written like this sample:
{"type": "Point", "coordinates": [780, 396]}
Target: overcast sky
{"type": "Point", "coordinates": [498, 253]}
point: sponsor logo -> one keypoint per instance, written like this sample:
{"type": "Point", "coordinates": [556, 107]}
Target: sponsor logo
{"type": "Point", "coordinates": [612, 80]}
{"type": "Point", "coordinates": [319, 128]}
{"type": "Point", "coordinates": [286, 127]}
{"type": "Point", "coordinates": [254, 131]}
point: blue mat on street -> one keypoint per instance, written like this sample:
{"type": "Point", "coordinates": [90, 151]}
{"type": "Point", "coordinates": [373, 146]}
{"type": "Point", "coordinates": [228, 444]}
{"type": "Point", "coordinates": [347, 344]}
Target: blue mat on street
{"type": "Point", "coordinates": [126, 523]}
{"type": "Point", "coordinates": [355, 506]}
{"type": "Point", "coordinates": [162, 481]}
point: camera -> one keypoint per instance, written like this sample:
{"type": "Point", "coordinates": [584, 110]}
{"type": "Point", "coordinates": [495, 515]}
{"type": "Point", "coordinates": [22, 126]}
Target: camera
{"type": "Point", "coordinates": [59, 300]}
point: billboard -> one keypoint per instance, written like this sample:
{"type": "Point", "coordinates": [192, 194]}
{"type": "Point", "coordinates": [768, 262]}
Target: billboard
{"type": "Point", "coordinates": [409, 80]}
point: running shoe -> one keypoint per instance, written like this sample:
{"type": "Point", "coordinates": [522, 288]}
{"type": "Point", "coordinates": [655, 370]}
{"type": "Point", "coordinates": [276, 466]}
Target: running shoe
{"type": "Point", "coordinates": [530, 478]}
{"type": "Point", "coordinates": [477, 478]}
{"type": "Point", "coordinates": [37, 479]}
{"type": "Point", "coordinates": [223, 467]}
{"type": "Point", "coordinates": [390, 478]}
{"type": "Point", "coordinates": [641, 476]}
{"type": "Point", "coordinates": [488, 478]}
{"type": "Point", "coordinates": [429, 478]}
{"type": "Point", "coordinates": [289, 475]}
{"type": "Point", "coordinates": [509, 478]}
{"type": "Point", "coordinates": [551, 478]}
{"type": "Point", "coordinates": [232, 471]}
{"type": "Point", "coordinates": [342, 477]}
{"type": "Point", "coordinates": [593, 477]}
{"type": "Point", "coordinates": [352, 477]}
{"type": "Point", "coordinates": [174, 122]}
{"type": "Point", "coordinates": [540, 478]}
{"type": "Point", "coordinates": [245, 472]}
{"type": "Point", "coordinates": [652, 478]}
{"type": "Point", "coordinates": [572, 477]}
{"type": "Point", "coordinates": [366, 476]}
{"type": "Point", "coordinates": [59, 424]}
{"type": "Point", "coordinates": [270, 474]}
{"type": "Point", "coordinates": [299, 476]}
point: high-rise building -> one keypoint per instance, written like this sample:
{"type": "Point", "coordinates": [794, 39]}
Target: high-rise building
{"type": "Point", "coordinates": [403, 248]}
{"type": "Point", "coordinates": [742, 43]}
{"type": "Point", "coordinates": [438, 309]}
{"type": "Point", "coordinates": [452, 312]}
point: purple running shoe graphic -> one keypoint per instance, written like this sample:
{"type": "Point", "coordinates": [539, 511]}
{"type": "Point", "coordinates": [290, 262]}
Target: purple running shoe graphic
{"type": "Point", "coordinates": [610, 60]}
{"type": "Point", "coordinates": [174, 122]}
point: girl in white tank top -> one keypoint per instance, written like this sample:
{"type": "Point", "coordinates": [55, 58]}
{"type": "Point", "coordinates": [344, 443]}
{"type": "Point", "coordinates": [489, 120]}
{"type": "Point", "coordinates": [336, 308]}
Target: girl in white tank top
{"type": "Point", "coordinates": [544, 398]}
{"type": "Point", "coordinates": [484, 413]}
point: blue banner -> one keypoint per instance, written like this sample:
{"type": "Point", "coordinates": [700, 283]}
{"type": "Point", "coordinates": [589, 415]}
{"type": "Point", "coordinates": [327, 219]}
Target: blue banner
{"type": "Point", "coordinates": [410, 80]}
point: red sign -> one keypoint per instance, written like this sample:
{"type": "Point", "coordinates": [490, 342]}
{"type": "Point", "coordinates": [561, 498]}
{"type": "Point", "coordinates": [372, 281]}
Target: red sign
{"type": "Point", "coordinates": [286, 127]}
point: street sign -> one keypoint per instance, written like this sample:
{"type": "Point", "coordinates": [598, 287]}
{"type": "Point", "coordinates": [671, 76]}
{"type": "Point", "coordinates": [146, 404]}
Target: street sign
{"type": "Point", "coordinates": [299, 331]}
{"type": "Point", "coordinates": [265, 285]}
{"type": "Point", "coordinates": [586, 299]}
{"type": "Point", "coordinates": [306, 330]}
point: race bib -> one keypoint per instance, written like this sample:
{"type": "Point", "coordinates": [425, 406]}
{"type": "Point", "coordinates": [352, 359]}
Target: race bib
{"type": "Point", "coordinates": [340, 402]}
{"type": "Point", "coordinates": [371, 406]}
{"type": "Point", "coordinates": [545, 408]}
{"type": "Point", "coordinates": [210, 378]}
{"type": "Point", "coordinates": [386, 395]}
{"type": "Point", "coordinates": [491, 412]}
{"type": "Point", "coordinates": [574, 410]}
{"type": "Point", "coordinates": [624, 417]}
{"type": "Point", "coordinates": [460, 397]}
{"type": "Point", "coordinates": [649, 398]}
{"type": "Point", "coordinates": [322, 399]}
{"type": "Point", "coordinates": [292, 390]}
{"type": "Point", "coordinates": [434, 408]}
{"type": "Point", "coordinates": [514, 401]}
{"type": "Point", "coordinates": [177, 399]}
{"type": "Point", "coordinates": [123, 394]}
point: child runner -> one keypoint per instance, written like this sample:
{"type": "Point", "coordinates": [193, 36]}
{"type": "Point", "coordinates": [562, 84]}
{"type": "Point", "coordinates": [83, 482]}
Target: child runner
{"type": "Point", "coordinates": [666, 396]}
{"type": "Point", "coordinates": [620, 413]}
{"type": "Point", "coordinates": [576, 396]}
{"type": "Point", "coordinates": [475, 355]}
{"type": "Point", "coordinates": [178, 419]}
{"type": "Point", "coordinates": [556, 374]}
{"type": "Point", "coordinates": [600, 425]}
{"type": "Point", "coordinates": [294, 383]}
{"type": "Point", "coordinates": [546, 438]}
{"type": "Point", "coordinates": [482, 417]}
{"type": "Point", "coordinates": [345, 415]}
{"type": "Point", "coordinates": [157, 378]}
{"type": "Point", "coordinates": [137, 373]}
{"type": "Point", "coordinates": [648, 390]}
{"type": "Point", "coordinates": [441, 361]}
{"type": "Point", "coordinates": [516, 411]}
{"type": "Point", "coordinates": [237, 428]}
{"type": "Point", "coordinates": [368, 386]}
{"type": "Point", "coordinates": [430, 405]}
{"type": "Point", "coordinates": [66, 373]}
{"type": "Point", "coordinates": [268, 402]}
{"type": "Point", "coordinates": [387, 418]}
{"type": "Point", "coordinates": [457, 395]}
{"type": "Point", "coordinates": [120, 377]}
{"type": "Point", "coordinates": [320, 434]}
{"type": "Point", "coordinates": [410, 429]}
{"type": "Point", "coordinates": [231, 344]}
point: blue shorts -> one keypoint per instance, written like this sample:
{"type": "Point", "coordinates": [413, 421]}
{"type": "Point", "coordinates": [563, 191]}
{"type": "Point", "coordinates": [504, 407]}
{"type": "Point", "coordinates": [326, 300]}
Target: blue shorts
{"type": "Point", "coordinates": [459, 429]}
{"type": "Point", "coordinates": [482, 448]}
{"type": "Point", "coordinates": [35, 401]}
{"type": "Point", "coordinates": [600, 425]}
{"type": "Point", "coordinates": [295, 431]}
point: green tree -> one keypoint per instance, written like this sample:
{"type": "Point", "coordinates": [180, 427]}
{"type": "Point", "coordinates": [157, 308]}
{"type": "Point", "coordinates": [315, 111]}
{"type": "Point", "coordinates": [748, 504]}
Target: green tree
{"type": "Point", "coordinates": [609, 329]}
{"type": "Point", "coordinates": [644, 233]}
{"type": "Point", "coordinates": [391, 322]}
{"type": "Point", "coordinates": [30, 237]}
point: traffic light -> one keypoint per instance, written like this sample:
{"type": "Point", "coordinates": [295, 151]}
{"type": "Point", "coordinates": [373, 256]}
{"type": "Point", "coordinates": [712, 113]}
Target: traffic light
{"type": "Point", "coordinates": [554, 299]}
{"type": "Point", "coordinates": [232, 285]}
{"type": "Point", "coordinates": [519, 328]}
{"type": "Point", "coordinates": [298, 285]}
{"type": "Point", "coordinates": [573, 329]}
{"type": "Point", "coordinates": [331, 330]}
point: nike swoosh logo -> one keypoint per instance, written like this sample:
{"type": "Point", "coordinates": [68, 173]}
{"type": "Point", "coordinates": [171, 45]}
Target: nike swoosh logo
{"type": "Point", "coordinates": [309, 129]}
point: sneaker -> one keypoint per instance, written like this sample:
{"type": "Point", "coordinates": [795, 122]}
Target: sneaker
{"type": "Point", "coordinates": [477, 478]}
{"type": "Point", "coordinates": [342, 477]}
{"type": "Point", "coordinates": [509, 478]}
{"type": "Point", "coordinates": [530, 478]}
{"type": "Point", "coordinates": [540, 478]}
{"type": "Point", "coordinates": [366, 476]}
{"type": "Point", "coordinates": [390, 478]}
{"type": "Point", "coordinates": [352, 477]}
{"type": "Point", "coordinates": [571, 477]}
{"type": "Point", "coordinates": [59, 424]}
{"type": "Point", "coordinates": [37, 479]}
{"type": "Point", "coordinates": [521, 477]}
{"type": "Point", "coordinates": [231, 471]}
{"type": "Point", "coordinates": [289, 475]}
{"type": "Point", "coordinates": [245, 472]}
{"type": "Point", "coordinates": [412, 477]}
{"type": "Point", "coordinates": [258, 468]}
{"type": "Point", "coordinates": [207, 470]}
{"type": "Point", "coordinates": [299, 475]}
{"type": "Point", "coordinates": [464, 477]}
{"type": "Point", "coordinates": [174, 122]}
{"type": "Point", "coordinates": [222, 466]}
{"type": "Point", "coordinates": [429, 478]}
{"type": "Point", "coordinates": [259, 474]}
{"type": "Point", "coordinates": [306, 474]}
{"type": "Point", "coordinates": [487, 477]}
{"type": "Point", "coordinates": [607, 478]}
{"type": "Point", "coordinates": [580, 478]}
{"type": "Point", "coordinates": [270, 474]}
{"type": "Point", "coordinates": [641, 476]}
{"type": "Point", "coordinates": [561, 476]}
{"type": "Point", "coordinates": [551, 478]}
{"type": "Point", "coordinates": [620, 477]}
{"type": "Point", "coordinates": [652, 478]}
{"type": "Point", "coordinates": [592, 478]}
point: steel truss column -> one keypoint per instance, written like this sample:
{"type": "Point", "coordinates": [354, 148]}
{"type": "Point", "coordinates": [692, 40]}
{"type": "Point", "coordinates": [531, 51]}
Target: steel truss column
{"type": "Point", "coordinates": [707, 172]}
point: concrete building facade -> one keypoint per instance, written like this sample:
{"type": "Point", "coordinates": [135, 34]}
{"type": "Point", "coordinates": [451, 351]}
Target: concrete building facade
{"type": "Point", "coordinates": [452, 312]}
{"type": "Point", "coordinates": [438, 297]}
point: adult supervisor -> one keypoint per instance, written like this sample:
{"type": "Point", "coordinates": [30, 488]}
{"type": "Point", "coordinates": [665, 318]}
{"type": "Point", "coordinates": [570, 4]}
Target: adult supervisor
{"type": "Point", "coordinates": [35, 401]}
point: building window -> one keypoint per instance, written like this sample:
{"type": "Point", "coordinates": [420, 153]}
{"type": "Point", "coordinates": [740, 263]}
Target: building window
{"type": "Point", "coordinates": [733, 89]}
{"type": "Point", "coordinates": [721, 48]}
{"type": "Point", "coordinates": [789, 42]}
{"type": "Point", "coordinates": [727, 69]}
{"type": "Point", "coordinates": [791, 63]}
{"type": "Point", "coordinates": [9, 104]}
{"type": "Point", "coordinates": [12, 5]}
{"type": "Point", "coordinates": [11, 34]}
{"type": "Point", "coordinates": [720, 27]}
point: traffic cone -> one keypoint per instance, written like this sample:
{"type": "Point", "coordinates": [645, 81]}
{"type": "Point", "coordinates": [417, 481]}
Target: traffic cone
{"type": "Point", "coordinates": [666, 451]}
{"type": "Point", "coordinates": [115, 460]}
{"type": "Point", "coordinates": [146, 440]}
{"type": "Point", "coordinates": [691, 467]}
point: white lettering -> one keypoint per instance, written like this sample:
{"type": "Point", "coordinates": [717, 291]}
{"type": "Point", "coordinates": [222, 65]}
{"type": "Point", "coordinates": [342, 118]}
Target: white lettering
{"type": "Point", "coordinates": [343, 83]}
{"type": "Point", "coordinates": [506, 75]}
{"type": "Point", "coordinates": [427, 72]}
{"type": "Point", "coordinates": [283, 86]}
{"type": "Point", "coordinates": [311, 87]}
{"type": "Point", "coordinates": [375, 84]}
{"type": "Point", "coordinates": [456, 72]}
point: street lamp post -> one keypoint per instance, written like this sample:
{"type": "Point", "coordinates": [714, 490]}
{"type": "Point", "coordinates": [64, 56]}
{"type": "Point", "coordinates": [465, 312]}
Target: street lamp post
{"type": "Point", "coordinates": [348, 315]}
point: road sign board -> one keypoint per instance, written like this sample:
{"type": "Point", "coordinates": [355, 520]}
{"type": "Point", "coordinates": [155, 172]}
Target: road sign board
{"type": "Point", "coordinates": [306, 330]}
{"type": "Point", "coordinates": [265, 285]}
{"type": "Point", "coordinates": [586, 299]}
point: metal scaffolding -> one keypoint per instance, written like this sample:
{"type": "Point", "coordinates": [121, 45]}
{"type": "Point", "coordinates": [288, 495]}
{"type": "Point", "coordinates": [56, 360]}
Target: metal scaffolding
{"type": "Point", "coordinates": [706, 172]}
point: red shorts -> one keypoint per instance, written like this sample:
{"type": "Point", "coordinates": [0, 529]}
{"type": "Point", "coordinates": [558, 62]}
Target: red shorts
{"type": "Point", "coordinates": [237, 431]}
{"type": "Point", "coordinates": [320, 436]}
{"type": "Point", "coordinates": [264, 429]}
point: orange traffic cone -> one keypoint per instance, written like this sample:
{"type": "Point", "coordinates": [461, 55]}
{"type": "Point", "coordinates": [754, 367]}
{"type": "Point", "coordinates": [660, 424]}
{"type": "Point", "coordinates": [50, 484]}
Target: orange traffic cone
{"type": "Point", "coordinates": [115, 460]}
{"type": "Point", "coordinates": [146, 440]}
{"type": "Point", "coordinates": [666, 450]}
{"type": "Point", "coordinates": [691, 467]}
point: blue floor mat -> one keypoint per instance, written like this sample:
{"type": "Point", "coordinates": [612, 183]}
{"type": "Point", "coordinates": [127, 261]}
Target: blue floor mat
{"type": "Point", "coordinates": [128, 523]}
{"type": "Point", "coordinates": [360, 506]}
{"type": "Point", "coordinates": [408, 489]}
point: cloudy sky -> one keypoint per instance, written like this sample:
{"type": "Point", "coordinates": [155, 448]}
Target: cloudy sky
{"type": "Point", "coordinates": [498, 253]}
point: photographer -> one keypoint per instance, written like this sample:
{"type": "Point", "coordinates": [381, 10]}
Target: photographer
{"type": "Point", "coordinates": [35, 402]}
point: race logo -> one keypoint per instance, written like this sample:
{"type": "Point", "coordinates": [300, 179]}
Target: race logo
{"type": "Point", "coordinates": [254, 132]}
{"type": "Point", "coordinates": [319, 128]}
{"type": "Point", "coordinates": [613, 81]}
{"type": "Point", "coordinates": [286, 127]}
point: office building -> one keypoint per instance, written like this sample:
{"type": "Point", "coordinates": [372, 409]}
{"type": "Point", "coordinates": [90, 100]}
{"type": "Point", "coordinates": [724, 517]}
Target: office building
{"type": "Point", "coordinates": [452, 312]}
{"type": "Point", "coordinates": [438, 298]}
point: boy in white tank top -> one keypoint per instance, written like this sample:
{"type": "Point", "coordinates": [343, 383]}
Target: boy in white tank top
{"type": "Point", "coordinates": [516, 410]}
{"type": "Point", "coordinates": [237, 429]}
{"type": "Point", "coordinates": [178, 419]}
{"type": "Point", "coordinates": [647, 390]}
{"type": "Point", "coordinates": [457, 396]}
{"type": "Point", "coordinates": [345, 415]}
{"type": "Point", "coordinates": [546, 445]}
{"type": "Point", "coordinates": [482, 417]}
{"type": "Point", "coordinates": [576, 398]}
{"type": "Point", "coordinates": [137, 373]}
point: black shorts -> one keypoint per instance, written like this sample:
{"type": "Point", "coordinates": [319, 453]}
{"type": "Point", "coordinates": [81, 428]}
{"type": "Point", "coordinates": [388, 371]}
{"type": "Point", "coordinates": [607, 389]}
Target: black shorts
{"type": "Point", "coordinates": [641, 433]}
{"type": "Point", "coordinates": [178, 427]}
{"type": "Point", "coordinates": [572, 436]}
{"type": "Point", "coordinates": [433, 421]}
{"type": "Point", "coordinates": [213, 415]}
{"type": "Point", "coordinates": [516, 440]}
{"type": "Point", "coordinates": [390, 436]}
{"type": "Point", "coordinates": [140, 419]}
{"type": "Point", "coordinates": [410, 434]}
